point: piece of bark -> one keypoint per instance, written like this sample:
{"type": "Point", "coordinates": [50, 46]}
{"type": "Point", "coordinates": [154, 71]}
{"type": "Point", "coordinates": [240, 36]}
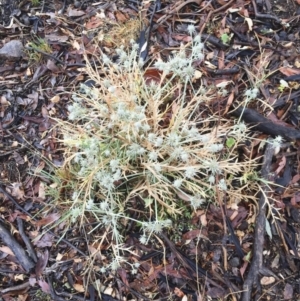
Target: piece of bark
{"type": "Point", "coordinates": [260, 123]}
{"type": "Point", "coordinates": [256, 265]}
{"type": "Point", "coordinates": [7, 238]}
{"type": "Point", "coordinates": [26, 240]}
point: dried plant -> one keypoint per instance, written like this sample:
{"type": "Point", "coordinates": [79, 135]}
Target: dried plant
{"type": "Point", "coordinates": [129, 137]}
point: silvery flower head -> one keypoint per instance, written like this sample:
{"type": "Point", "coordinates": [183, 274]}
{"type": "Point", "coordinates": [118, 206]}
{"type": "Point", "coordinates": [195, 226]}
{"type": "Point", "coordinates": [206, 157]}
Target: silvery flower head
{"type": "Point", "coordinates": [191, 29]}
{"type": "Point", "coordinates": [222, 185]}
{"type": "Point", "coordinates": [177, 183]}
{"type": "Point", "coordinates": [196, 202]}
{"type": "Point", "coordinates": [212, 165]}
{"type": "Point", "coordinates": [190, 172]}
{"type": "Point", "coordinates": [214, 148]}
{"type": "Point", "coordinates": [153, 156]}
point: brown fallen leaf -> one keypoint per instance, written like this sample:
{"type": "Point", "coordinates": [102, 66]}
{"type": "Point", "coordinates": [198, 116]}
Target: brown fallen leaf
{"type": "Point", "coordinates": [267, 280]}
{"type": "Point", "coordinates": [78, 287]}
{"type": "Point", "coordinates": [193, 234]}
{"type": "Point", "coordinates": [178, 292]}
{"type": "Point", "coordinates": [48, 219]}
{"type": "Point", "coordinates": [94, 22]}
{"type": "Point", "coordinates": [121, 17]}
{"type": "Point", "coordinates": [55, 99]}
{"type": "Point", "coordinates": [56, 38]}
{"type": "Point", "coordinates": [45, 241]}
{"type": "Point", "coordinates": [41, 263]}
{"type": "Point", "coordinates": [17, 191]}
{"type": "Point", "coordinates": [7, 250]}
{"type": "Point", "coordinates": [44, 286]}
{"type": "Point", "coordinates": [288, 292]}
{"type": "Point", "coordinates": [288, 71]}
{"type": "Point", "coordinates": [75, 12]}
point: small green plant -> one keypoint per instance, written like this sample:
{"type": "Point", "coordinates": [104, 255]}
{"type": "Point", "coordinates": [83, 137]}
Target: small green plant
{"type": "Point", "coordinates": [226, 38]}
{"type": "Point", "coordinates": [35, 2]}
{"type": "Point", "coordinates": [37, 48]}
{"type": "Point", "coordinates": [130, 138]}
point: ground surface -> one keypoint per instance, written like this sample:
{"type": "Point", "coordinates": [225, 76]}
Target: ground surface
{"type": "Point", "coordinates": [247, 44]}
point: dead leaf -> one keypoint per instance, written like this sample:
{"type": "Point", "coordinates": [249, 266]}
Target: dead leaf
{"type": "Point", "coordinates": [243, 268]}
{"type": "Point", "coordinates": [17, 191]}
{"type": "Point", "coordinates": [297, 63]}
{"type": "Point", "coordinates": [178, 292]}
{"type": "Point", "coordinates": [250, 23]}
{"type": "Point", "coordinates": [52, 67]}
{"type": "Point", "coordinates": [95, 252]}
{"type": "Point", "coordinates": [51, 218]}
{"type": "Point", "coordinates": [45, 241]}
{"type": "Point", "coordinates": [55, 99]}
{"type": "Point", "coordinates": [288, 292]}
{"type": "Point", "coordinates": [19, 277]}
{"type": "Point", "coordinates": [281, 165]}
{"type": "Point", "coordinates": [197, 74]}
{"type": "Point", "coordinates": [193, 234]}
{"type": "Point", "coordinates": [152, 75]}
{"type": "Point", "coordinates": [229, 101]}
{"type": "Point", "coordinates": [44, 286]}
{"type": "Point", "coordinates": [78, 287]}
{"type": "Point", "coordinates": [75, 12]}
{"type": "Point", "coordinates": [18, 158]}
{"type": "Point", "coordinates": [93, 23]}
{"type": "Point", "coordinates": [41, 263]}
{"type": "Point", "coordinates": [121, 17]}
{"type": "Point", "coordinates": [59, 257]}
{"type": "Point", "coordinates": [4, 101]}
{"type": "Point", "coordinates": [56, 38]}
{"type": "Point", "coordinates": [288, 71]}
{"type": "Point", "coordinates": [267, 280]}
{"type": "Point", "coordinates": [42, 193]}
{"type": "Point", "coordinates": [39, 72]}
{"type": "Point", "coordinates": [275, 262]}
{"type": "Point", "coordinates": [295, 179]}
{"type": "Point", "coordinates": [45, 113]}
{"type": "Point", "coordinates": [123, 274]}
{"type": "Point", "coordinates": [295, 199]}
{"type": "Point", "coordinates": [7, 250]}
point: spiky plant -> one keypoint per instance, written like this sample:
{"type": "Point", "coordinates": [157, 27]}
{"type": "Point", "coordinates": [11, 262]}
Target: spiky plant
{"type": "Point", "coordinates": [130, 137]}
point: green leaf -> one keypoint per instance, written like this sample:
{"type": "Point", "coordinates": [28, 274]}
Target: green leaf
{"type": "Point", "coordinates": [225, 38]}
{"type": "Point", "coordinates": [230, 142]}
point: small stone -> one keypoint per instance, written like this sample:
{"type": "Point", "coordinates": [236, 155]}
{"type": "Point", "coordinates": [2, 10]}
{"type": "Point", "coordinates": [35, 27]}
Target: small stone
{"type": "Point", "coordinates": [234, 262]}
{"type": "Point", "coordinates": [77, 4]}
{"type": "Point", "coordinates": [12, 50]}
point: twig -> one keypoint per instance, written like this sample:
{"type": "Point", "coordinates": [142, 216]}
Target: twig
{"type": "Point", "coordinates": [176, 9]}
{"type": "Point", "coordinates": [257, 259]}
{"type": "Point", "coordinates": [261, 123]}
{"type": "Point", "coordinates": [16, 288]}
{"type": "Point", "coordinates": [26, 262]}
{"type": "Point", "coordinates": [26, 240]}
{"type": "Point", "coordinates": [264, 16]}
{"type": "Point", "coordinates": [228, 4]}
{"type": "Point", "coordinates": [212, 12]}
